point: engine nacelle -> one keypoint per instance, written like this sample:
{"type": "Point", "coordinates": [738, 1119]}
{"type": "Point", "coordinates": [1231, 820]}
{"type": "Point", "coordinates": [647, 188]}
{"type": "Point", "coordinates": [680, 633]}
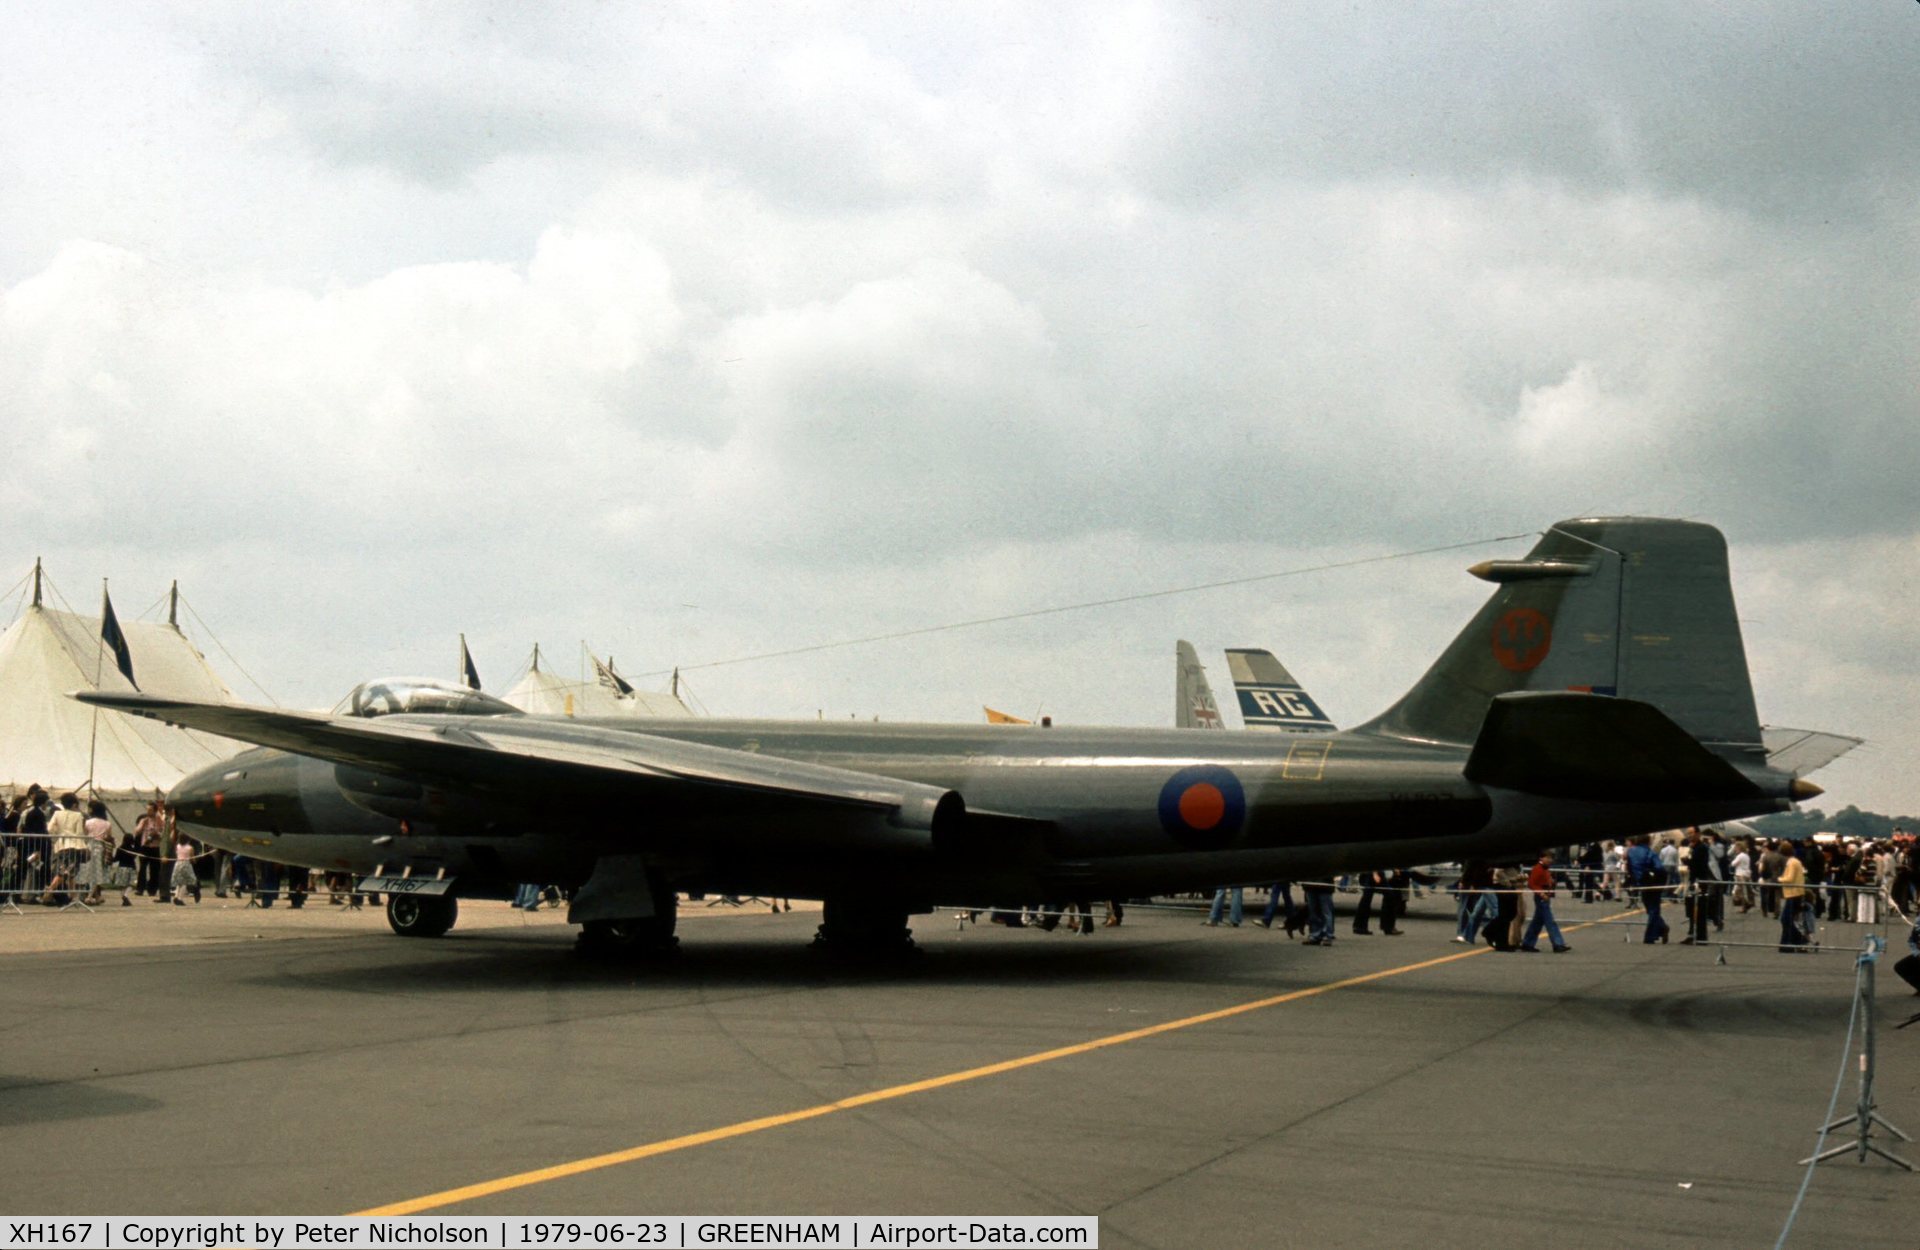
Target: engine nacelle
{"type": "Point", "coordinates": [425, 808]}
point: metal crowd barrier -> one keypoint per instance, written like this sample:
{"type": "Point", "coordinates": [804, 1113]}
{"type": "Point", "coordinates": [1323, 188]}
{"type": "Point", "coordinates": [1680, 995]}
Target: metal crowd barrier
{"type": "Point", "coordinates": [1863, 909]}
{"type": "Point", "coordinates": [1574, 901]}
{"type": "Point", "coordinates": [26, 869]}
{"type": "Point", "coordinates": [34, 871]}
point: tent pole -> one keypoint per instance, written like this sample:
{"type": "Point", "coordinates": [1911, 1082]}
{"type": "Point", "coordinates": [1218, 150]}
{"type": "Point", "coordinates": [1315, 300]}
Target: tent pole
{"type": "Point", "coordinates": [99, 659]}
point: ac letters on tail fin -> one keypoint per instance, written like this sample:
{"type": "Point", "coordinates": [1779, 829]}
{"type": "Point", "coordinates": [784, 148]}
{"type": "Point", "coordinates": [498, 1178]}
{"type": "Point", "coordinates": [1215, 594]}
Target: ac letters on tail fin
{"type": "Point", "coordinates": [1627, 606]}
{"type": "Point", "coordinates": [1193, 705]}
{"type": "Point", "coordinates": [1269, 696]}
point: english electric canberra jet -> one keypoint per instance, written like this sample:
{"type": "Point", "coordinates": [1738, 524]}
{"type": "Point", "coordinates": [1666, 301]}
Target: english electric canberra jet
{"type": "Point", "coordinates": [1601, 692]}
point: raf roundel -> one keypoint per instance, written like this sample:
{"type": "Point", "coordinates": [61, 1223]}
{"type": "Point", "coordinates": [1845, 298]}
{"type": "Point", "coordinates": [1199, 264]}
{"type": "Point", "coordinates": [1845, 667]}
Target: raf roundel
{"type": "Point", "coordinates": [1203, 806]}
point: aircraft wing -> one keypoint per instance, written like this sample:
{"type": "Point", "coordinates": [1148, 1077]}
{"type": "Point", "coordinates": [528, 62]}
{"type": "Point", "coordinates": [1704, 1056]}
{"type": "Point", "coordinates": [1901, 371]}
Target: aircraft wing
{"type": "Point", "coordinates": [523, 755]}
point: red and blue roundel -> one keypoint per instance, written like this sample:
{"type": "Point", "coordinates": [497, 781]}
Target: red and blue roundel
{"type": "Point", "coordinates": [1203, 806]}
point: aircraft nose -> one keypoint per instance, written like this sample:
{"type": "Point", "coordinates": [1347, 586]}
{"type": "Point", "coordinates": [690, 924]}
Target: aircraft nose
{"type": "Point", "coordinates": [255, 792]}
{"type": "Point", "coordinates": [192, 797]}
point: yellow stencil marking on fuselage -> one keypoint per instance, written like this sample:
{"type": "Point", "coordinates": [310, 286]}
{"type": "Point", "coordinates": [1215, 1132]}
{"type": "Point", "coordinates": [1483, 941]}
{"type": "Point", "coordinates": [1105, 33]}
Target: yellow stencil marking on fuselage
{"type": "Point", "coordinates": [1307, 761]}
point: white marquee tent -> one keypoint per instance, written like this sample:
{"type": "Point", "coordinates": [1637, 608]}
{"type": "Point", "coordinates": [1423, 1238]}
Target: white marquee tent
{"type": "Point", "coordinates": [48, 738]}
{"type": "Point", "coordinates": [542, 692]}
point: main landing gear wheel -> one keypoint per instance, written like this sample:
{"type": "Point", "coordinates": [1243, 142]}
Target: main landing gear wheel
{"type": "Point", "coordinates": [863, 929]}
{"type": "Point", "coordinates": [421, 915]}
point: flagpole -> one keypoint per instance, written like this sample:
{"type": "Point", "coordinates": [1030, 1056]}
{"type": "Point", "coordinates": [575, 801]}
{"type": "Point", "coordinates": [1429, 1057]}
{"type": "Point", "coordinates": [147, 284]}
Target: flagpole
{"type": "Point", "coordinates": [99, 662]}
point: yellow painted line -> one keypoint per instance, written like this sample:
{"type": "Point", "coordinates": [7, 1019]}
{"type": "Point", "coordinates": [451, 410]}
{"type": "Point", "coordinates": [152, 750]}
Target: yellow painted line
{"type": "Point", "coordinates": [559, 1171]}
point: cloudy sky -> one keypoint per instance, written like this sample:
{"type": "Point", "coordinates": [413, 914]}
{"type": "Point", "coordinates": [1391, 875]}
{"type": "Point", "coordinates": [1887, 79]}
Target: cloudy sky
{"type": "Point", "coordinates": [702, 332]}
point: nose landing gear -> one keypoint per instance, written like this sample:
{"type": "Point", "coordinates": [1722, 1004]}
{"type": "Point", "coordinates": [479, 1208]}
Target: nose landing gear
{"type": "Point", "coordinates": [421, 915]}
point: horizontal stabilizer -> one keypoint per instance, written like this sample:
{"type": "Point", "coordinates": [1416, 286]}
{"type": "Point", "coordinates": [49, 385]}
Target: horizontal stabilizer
{"type": "Point", "coordinates": [1587, 746]}
{"type": "Point", "coordinates": [1801, 751]}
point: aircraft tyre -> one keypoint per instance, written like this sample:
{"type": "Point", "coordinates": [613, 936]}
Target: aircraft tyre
{"type": "Point", "coordinates": [859, 927]}
{"type": "Point", "coordinates": [421, 915]}
{"type": "Point", "coordinates": [627, 936]}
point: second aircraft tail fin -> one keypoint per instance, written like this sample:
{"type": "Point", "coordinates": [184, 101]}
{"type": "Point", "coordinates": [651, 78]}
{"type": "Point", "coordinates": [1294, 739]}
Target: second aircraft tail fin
{"type": "Point", "coordinates": [1269, 696]}
{"type": "Point", "coordinates": [1193, 705]}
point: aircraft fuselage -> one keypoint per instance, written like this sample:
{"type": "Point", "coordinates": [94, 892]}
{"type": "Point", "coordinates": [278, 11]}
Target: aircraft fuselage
{"type": "Point", "coordinates": [1052, 813]}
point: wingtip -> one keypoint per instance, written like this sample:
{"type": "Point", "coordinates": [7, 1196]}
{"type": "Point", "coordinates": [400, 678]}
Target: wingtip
{"type": "Point", "coordinates": [124, 700]}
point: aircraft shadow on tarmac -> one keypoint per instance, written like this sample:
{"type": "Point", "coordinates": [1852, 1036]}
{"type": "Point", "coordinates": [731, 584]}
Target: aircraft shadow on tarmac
{"type": "Point", "coordinates": [1661, 1003]}
{"type": "Point", "coordinates": [1209, 974]}
{"type": "Point", "coordinates": [1749, 1009]}
{"type": "Point", "coordinates": [485, 963]}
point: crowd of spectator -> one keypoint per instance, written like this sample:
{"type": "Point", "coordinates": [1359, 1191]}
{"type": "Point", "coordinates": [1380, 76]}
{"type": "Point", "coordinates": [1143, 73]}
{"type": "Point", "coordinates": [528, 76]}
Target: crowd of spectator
{"type": "Point", "coordinates": [57, 852]}
{"type": "Point", "coordinates": [1703, 872]}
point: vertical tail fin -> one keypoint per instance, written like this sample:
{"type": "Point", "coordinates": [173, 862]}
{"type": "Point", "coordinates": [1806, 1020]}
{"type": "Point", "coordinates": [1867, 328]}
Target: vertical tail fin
{"type": "Point", "coordinates": [1193, 705]}
{"type": "Point", "coordinates": [1269, 696]}
{"type": "Point", "coordinates": [1628, 606]}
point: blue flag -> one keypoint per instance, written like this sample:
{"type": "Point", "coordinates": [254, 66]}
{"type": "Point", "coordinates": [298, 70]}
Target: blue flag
{"type": "Point", "coordinates": [115, 640]}
{"type": "Point", "coordinates": [467, 671]}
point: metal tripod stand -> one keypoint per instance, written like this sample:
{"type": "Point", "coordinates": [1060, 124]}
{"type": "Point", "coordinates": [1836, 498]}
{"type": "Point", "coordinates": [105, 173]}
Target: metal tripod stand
{"type": "Point", "coordinates": [1864, 1115]}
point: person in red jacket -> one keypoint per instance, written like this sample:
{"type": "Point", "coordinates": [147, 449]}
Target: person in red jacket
{"type": "Point", "coordinates": [1540, 883]}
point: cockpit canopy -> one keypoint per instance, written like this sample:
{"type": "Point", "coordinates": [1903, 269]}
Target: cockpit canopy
{"type": "Point", "coordinates": [389, 695]}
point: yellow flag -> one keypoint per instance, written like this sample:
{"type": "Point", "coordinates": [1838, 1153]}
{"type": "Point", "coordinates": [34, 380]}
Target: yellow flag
{"type": "Point", "coordinates": [1001, 718]}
